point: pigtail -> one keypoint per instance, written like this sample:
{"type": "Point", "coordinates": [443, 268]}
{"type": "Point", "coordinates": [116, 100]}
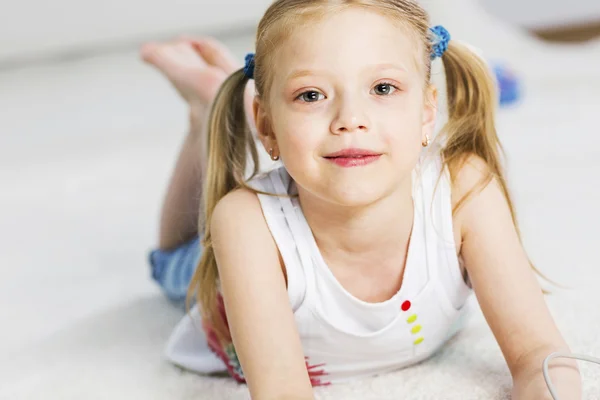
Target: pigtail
{"type": "Point", "coordinates": [229, 143]}
{"type": "Point", "coordinates": [471, 128]}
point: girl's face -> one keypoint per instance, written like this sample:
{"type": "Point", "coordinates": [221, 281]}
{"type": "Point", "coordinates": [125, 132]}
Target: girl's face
{"type": "Point", "coordinates": [348, 85]}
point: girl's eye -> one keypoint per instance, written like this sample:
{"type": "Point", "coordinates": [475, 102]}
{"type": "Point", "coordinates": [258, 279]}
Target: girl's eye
{"type": "Point", "coordinates": [384, 89]}
{"type": "Point", "coordinates": [311, 96]}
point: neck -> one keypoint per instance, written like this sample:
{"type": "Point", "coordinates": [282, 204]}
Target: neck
{"type": "Point", "coordinates": [372, 233]}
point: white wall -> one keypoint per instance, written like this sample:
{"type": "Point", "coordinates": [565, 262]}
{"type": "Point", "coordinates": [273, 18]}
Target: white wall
{"type": "Point", "coordinates": [31, 29]}
{"type": "Point", "coordinates": [36, 28]}
{"type": "Point", "coordinates": [545, 13]}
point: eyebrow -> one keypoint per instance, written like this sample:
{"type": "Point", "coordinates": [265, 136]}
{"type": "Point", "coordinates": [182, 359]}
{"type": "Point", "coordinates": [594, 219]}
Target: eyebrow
{"type": "Point", "coordinates": [307, 72]}
{"type": "Point", "coordinates": [389, 66]}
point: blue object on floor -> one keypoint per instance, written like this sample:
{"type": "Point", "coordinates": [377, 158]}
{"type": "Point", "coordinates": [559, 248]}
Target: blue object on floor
{"type": "Point", "coordinates": [509, 85]}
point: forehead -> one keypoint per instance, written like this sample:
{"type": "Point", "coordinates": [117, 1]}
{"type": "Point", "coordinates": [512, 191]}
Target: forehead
{"type": "Point", "coordinates": [347, 40]}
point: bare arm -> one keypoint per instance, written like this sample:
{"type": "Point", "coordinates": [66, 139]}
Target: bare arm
{"type": "Point", "coordinates": [508, 292]}
{"type": "Point", "coordinates": [258, 310]}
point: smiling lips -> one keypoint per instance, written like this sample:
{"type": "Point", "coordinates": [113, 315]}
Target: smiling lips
{"type": "Point", "coordinates": [353, 157]}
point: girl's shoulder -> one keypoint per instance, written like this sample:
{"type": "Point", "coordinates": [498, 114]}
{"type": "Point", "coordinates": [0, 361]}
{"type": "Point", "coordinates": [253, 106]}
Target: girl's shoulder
{"type": "Point", "coordinates": [472, 176]}
{"type": "Point", "coordinates": [453, 189]}
{"type": "Point", "coordinates": [238, 225]}
{"type": "Point", "coordinates": [244, 209]}
{"type": "Point", "coordinates": [464, 182]}
{"type": "Point", "coordinates": [238, 207]}
{"type": "Point", "coordinates": [467, 183]}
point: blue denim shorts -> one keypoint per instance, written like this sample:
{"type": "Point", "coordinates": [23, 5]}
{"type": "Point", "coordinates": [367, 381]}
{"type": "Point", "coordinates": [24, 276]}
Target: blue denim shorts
{"type": "Point", "coordinates": [173, 269]}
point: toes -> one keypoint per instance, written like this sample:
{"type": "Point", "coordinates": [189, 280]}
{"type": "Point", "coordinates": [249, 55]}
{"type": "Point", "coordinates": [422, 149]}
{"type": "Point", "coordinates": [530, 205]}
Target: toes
{"type": "Point", "coordinates": [189, 38]}
{"type": "Point", "coordinates": [151, 52]}
{"type": "Point", "coordinates": [165, 56]}
{"type": "Point", "coordinates": [217, 54]}
{"type": "Point", "coordinates": [148, 51]}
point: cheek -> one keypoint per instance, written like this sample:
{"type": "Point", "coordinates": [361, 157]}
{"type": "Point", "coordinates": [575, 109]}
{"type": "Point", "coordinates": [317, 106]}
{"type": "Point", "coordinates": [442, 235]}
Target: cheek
{"type": "Point", "coordinates": [297, 150]}
{"type": "Point", "coordinates": [298, 137]}
{"type": "Point", "coordinates": [402, 134]}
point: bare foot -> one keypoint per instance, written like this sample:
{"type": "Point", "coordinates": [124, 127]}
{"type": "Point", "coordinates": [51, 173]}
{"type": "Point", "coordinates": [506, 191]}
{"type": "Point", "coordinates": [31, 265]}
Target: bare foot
{"type": "Point", "coordinates": [196, 67]}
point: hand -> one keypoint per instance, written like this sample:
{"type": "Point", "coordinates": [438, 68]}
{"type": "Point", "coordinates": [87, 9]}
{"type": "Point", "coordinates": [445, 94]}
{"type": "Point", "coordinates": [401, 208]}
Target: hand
{"type": "Point", "coordinates": [529, 382]}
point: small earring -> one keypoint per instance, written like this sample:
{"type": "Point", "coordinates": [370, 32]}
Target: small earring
{"type": "Point", "coordinates": [276, 158]}
{"type": "Point", "coordinates": [426, 142]}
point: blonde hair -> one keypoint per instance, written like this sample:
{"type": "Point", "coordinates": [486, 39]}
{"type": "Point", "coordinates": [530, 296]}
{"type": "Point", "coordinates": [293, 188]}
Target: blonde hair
{"type": "Point", "coordinates": [470, 129]}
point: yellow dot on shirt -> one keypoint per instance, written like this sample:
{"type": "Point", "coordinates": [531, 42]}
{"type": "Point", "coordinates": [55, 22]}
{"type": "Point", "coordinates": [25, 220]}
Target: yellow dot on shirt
{"type": "Point", "coordinates": [412, 318]}
{"type": "Point", "coordinates": [416, 329]}
{"type": "Point", "coordinates": [419, 340]}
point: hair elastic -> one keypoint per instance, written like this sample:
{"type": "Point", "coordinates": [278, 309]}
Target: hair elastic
{"type": "Point", "coordinates": [440, 40]}
{"type": "Point", "coordinates": [249, 66]}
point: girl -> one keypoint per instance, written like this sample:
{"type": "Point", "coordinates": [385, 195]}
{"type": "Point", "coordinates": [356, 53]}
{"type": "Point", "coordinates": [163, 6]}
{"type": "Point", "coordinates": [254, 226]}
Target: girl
{"type": "Point", "coordinates": [357, 253]}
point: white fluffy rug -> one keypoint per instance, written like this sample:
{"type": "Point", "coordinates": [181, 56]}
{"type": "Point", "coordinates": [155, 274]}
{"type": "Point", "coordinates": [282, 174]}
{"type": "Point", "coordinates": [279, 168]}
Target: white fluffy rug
{"type": "Point", "coordinates": [85, 151]}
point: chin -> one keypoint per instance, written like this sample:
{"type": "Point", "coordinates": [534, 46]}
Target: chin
{"type": "Point", "coordinates": [355, 193]}
{"type": "Point", "coordinates": [349, 187]}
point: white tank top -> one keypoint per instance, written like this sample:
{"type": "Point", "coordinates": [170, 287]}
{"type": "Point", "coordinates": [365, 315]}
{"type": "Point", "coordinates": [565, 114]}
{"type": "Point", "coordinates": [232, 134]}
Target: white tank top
{"type": "Point", "coordinates": [343, 337]}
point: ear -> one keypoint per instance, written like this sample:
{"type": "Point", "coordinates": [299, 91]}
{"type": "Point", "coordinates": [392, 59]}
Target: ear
{"type": "Point", "coordinates": [429, 111]}
{"type": "Point", "coordinates": [263, 126]}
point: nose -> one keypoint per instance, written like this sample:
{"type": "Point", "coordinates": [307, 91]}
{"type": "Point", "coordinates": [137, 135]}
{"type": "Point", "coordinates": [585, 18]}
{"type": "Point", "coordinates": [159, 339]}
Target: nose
{"type": "Point", "coordinates": [350, 117]}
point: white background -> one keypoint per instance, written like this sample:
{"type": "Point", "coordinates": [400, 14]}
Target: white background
{"type": "Point", "coordinates": [545, 13]}
{"type": "Point", "coordinates": [36, 29]}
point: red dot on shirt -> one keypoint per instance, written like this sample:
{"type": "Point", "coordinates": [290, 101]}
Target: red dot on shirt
{"type": "Point", "coordinates": [406, 305]}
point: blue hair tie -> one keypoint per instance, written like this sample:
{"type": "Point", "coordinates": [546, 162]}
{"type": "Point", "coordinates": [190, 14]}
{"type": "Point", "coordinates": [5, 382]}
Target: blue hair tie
{"type": "Point", "coordinates": [441, 37]}
{"type": "Point", "coordinates": [249, 66]}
